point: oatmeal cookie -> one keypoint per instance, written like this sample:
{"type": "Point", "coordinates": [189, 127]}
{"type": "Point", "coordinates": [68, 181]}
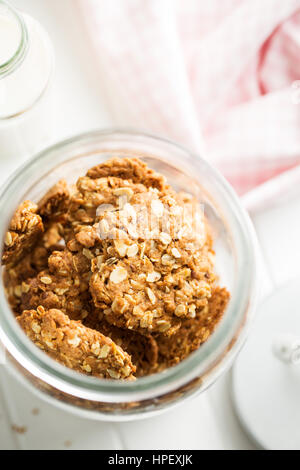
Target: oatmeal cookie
{"type": "Point", "coordinates": [24, 229]}
{"type": "Point", "coordinates": [193, 332]}
{"type": "Point", "coordinates": [16, 275]}
{"type": "Point", "coordinates": [146, 276]}
{"type": "Point", "coordinates": [64, 285]}
{"type": "Point", "coordinates": [54, 203]}
{"type": "Point", "coordinates": [14, 279]}
{"type": "Point", "coordinates": [147, 293]}
{"type": "Point", "coordinates": [75, 345]}
{"type": "Point", "coordinates": [142, 349]}
{"type": "Point", "coordinates": [132, 169]}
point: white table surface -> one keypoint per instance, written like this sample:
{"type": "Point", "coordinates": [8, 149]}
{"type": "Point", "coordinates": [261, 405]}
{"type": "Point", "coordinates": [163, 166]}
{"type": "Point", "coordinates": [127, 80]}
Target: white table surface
{"type": "Point", "coordinates": [208, 422]}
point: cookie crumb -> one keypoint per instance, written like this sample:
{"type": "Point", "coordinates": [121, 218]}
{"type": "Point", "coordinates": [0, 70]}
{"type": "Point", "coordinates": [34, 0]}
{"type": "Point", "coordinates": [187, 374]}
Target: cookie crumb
{"type": "Point", "coordinates": [19, 429]}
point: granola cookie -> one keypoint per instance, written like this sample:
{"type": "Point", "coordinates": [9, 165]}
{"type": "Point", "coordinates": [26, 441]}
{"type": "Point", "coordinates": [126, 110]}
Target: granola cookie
{"type": "Point", "coordinates": [192, 333]}
{"type": "Point", "coordinates": [143, 349]}
{"type": "Point", "coordinates": [24, 229]}
{"type": "Point", "coordinates": [54, 203]}
{"type": "Point", "coordinates": [75, 345]}
{"type": "Point", "coordinates": [64, 285]}
{"type": "Point", "coordinates": [17, 276]}
{"type": "Point", "coordinates": [146, 276]}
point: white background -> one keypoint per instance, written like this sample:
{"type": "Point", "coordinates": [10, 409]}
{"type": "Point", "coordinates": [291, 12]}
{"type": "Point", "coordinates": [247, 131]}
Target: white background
{"type": "Point", "coordinates": [207, 422]}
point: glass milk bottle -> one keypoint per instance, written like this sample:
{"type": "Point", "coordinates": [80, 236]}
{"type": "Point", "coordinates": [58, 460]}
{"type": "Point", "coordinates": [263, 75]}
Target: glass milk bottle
{"type": "Point", "coordinates": [26, 69]}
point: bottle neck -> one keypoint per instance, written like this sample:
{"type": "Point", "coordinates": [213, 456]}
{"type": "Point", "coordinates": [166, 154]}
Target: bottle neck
{"type": "Point", "coordinates": [13, 37]}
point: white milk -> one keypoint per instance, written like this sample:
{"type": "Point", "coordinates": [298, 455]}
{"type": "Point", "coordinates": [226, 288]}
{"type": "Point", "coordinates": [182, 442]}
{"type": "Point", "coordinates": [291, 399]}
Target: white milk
{"type": "Point", "coordinates": [25, 103]}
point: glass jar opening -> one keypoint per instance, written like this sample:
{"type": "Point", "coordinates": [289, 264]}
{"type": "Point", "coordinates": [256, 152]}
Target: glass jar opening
{"type": "Point", "coordinates": [235, 246]}
{"type": "Point", "coordinates": [13, 39]}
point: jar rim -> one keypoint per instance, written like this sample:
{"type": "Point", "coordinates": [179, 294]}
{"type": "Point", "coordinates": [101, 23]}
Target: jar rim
{"type": "Point", "coordinates": [18, 56]}
{"type": "Point", "coordinates": [228, 336]}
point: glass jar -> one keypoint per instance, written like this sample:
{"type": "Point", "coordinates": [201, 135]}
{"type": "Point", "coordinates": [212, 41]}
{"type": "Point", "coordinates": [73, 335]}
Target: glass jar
{"type": "Point", "coordinates": [236, 262]}
{"type": "Point", "coordinates": [26, 68]}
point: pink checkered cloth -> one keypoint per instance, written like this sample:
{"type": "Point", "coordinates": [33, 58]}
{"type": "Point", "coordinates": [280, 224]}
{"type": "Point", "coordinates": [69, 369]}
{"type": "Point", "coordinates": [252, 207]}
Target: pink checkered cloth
{"type": "Point", "coordinates": [221, 77]}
